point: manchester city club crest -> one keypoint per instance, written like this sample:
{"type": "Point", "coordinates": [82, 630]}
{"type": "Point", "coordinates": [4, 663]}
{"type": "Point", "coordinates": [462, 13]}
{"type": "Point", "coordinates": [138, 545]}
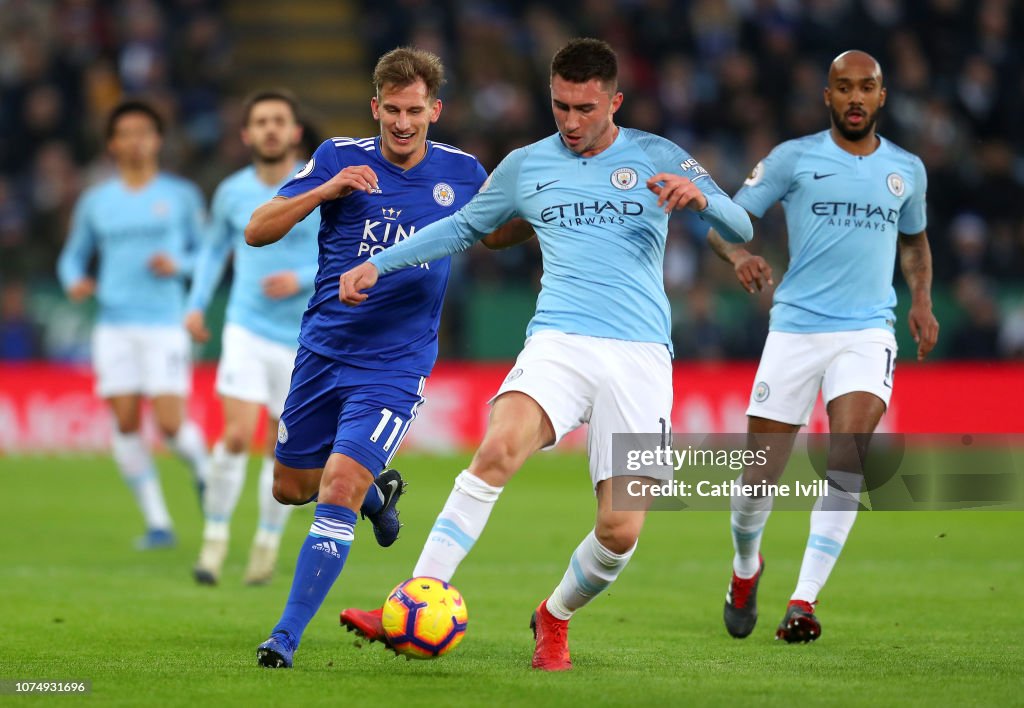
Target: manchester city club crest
{"type": "Point", "coordinates": [444, 194]}
{"type": "Point", "coordinates": [895, 184]}
{"type": "Point", "coordinates": [624, 178]}
{"type": "Point", "coordinates": [761, 392]}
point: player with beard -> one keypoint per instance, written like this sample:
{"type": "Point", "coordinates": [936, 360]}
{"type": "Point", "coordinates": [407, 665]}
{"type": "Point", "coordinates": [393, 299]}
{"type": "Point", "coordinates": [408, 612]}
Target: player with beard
{"type": "Point", "coordinates": [850, 198]}
{"type": "Point", "coordinates": [268, 296]}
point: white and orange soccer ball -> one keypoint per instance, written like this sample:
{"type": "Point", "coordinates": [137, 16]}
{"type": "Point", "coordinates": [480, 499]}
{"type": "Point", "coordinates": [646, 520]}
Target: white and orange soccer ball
{"type": "Point", "coordinates": [424, 618]}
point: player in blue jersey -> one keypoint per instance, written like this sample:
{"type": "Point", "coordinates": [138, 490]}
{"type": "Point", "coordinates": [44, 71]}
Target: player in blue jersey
{"type": "Point", "coordinates": [359, 374]}
{"type": "Point", "coordinates": [851, 198]}
{"type": "Point", "coordinates": [598, 350]}
{"type": "Point", "coordinates": [268, 296]}
{"type": "Point", "coordinates": [144, 225]}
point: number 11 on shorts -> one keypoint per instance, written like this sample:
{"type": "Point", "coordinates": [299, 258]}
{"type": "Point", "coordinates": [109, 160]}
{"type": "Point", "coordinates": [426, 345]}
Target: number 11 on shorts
{"type": "Point", "coordinates": [386, 416]}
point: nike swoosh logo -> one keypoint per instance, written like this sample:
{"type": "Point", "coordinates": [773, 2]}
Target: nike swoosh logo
{"type": "Point", "coordinates": [392, 488]}
{"type": "Point", "coordinates": [817, 176]}
{"type": "Point", "coordinates": [546, 184]}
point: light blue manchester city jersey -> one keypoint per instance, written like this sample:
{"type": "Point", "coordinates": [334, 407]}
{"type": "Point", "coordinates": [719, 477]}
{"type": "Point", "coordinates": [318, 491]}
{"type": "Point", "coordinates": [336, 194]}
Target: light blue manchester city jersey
{"type": "Point", "coordinates": [600, 229]}
{"type": "Point", "coordinates": [235, 200]}
{"type": "Point", "coordinates": [127, 227]}
{"type": "Point", "coordinates": [843, 213]}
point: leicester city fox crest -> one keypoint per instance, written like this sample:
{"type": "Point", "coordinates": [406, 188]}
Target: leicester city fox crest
{"type": "Point", "coordinates": [444, 195]}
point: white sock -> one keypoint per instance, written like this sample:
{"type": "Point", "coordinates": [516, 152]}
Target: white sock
{"type": "Point", "coordinates": [749, 515]}
{"type": "Point", "coordinates": [457, 528]}
{"type": "Point", "coordinates": [137, 470]}
{"type": "Point", "coordinates": [223, 487]}
{"type": "Point", "coordinates": [592, 568]}
{"type": "Point", "coordinates": [273, 514]}
{"type": "Point", "coordinates": [831, 520]}
{"type": "Point", "coordinates": [188, 444]}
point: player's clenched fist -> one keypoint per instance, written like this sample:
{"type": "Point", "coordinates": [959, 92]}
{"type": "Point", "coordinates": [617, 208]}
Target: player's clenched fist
{"type": "Point", "coordinates": [351, 179]}
{"type": "Point", "coordinates": [362, 277]}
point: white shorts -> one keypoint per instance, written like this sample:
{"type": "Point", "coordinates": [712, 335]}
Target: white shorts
{"type": "Point", "coordinates": [254, 368]}
{"type": "Point", "coordinates": [614, 385]}
{"type": "Point", "coordinates": [795, 366]}
{"type": "Point", "coordinates": [151, 361]}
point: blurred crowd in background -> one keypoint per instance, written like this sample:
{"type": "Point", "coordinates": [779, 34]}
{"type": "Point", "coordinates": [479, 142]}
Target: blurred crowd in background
{"type": "Point", "coordinates": [725, 79]}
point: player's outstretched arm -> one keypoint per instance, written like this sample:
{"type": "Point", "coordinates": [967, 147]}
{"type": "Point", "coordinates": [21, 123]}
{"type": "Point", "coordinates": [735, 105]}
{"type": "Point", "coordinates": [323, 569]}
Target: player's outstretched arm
{"type": "Point", "coordinates": [354, 281]}
{"type": "Point", "coordinates": [916, 265]}
{"type": "Point", "coordinates": [677, 192]}
{"type": "Point", "coordinates": [751, 270]}
{"type": "Point", "coordinates": [507, 235]}
{"type": "Point", "coordinates": [271, 221]}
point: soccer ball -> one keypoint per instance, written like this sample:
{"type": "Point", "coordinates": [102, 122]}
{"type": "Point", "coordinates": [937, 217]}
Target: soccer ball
{"type": "Point", "coordinates": [424, 618]}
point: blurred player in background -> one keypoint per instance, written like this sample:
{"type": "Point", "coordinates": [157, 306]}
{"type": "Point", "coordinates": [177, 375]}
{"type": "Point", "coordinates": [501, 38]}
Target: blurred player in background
{"type": "Point", "coordinates": [144, 226]}
{"type": "Point", "coordinates": [359, 374]}
{"type": "Point", "coordinates": [850, 198]}
{"type": "Point", "coordinates": [268, 296]}
{"type": "Point", "coordinates": [598, 348]}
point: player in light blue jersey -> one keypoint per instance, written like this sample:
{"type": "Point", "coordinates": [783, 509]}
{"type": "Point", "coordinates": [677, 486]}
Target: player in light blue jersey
{"type": "Point", "coordinates": [851, 198]}
{"type": "Point", "coordinates": [269, 293]}
{"type": "Point", "coordinates": [359, 375]}
{"type": "Point", "coordinates": [143, 225]}
{"type": "Point", "coordinates": [598, 349]}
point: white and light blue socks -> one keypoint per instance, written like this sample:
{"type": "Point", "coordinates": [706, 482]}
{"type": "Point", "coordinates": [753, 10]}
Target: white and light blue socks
{"type": "Point", "coordinates": [748, 518]}
{"type": "Point", "coordinates": [139, 473]}
{"type": "Point", "coordinates": [457, 528]}
{"type": "Point", "coordinates": [592, 568]}
{"type": "Point", "coordinates": [273, 514]}
{"type": "Point", "coordinates": [223, 487]}
{"type": "Point", "coordinates": [190, 445]}
{"type": "Point", "coordinates": [831, 520]}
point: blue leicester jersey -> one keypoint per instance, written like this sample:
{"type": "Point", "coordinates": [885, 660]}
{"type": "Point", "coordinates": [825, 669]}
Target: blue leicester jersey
{"type": "Point", "coordinates": [601, 232]}
{"type": "Point", "coordinates": [127, 227]}
{"type": "Point", "coordinates": [843, 214]}
{"type": "Point", "coordinates": [235, 200]}
{"type": "Point", "coordinates": [396, 328]}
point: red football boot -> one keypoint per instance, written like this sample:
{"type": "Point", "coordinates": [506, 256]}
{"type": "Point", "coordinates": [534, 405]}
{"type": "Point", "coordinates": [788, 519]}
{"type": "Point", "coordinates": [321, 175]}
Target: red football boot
{"type": "Point", "coordinates": [552, 636]}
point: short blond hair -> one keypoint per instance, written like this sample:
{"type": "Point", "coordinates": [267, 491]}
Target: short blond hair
{"type": "Point", "coordinates": [405, 65]}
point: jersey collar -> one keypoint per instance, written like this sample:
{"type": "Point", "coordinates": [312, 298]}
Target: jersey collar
{"type": "Point", "coordinates": [395, 168]}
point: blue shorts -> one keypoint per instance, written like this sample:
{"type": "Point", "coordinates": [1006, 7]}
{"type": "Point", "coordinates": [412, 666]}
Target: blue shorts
{"type": "Point", "coordinates": [336, 407]}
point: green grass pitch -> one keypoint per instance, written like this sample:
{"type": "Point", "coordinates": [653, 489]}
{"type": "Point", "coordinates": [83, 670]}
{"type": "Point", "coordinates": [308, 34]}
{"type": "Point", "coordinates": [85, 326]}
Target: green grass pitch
{"type": "Point", "coordinates": [922, 609]}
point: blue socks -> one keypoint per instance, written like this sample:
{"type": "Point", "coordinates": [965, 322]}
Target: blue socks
{"type": "Point", "coordinates": [320, 562]}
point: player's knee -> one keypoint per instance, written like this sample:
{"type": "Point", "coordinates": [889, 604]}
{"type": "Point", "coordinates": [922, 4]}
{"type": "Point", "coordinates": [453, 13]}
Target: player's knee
{"type": "Point", "coordinates": [497, 460]}
{"type": "Point", "coordinates": [344, 487]}
{"type": "Point", "coordinates": [235, 441]}
{"type": "Point", "coordinates": [288, 490]}
{"type": "Point", "coordinates": [617, 538]}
